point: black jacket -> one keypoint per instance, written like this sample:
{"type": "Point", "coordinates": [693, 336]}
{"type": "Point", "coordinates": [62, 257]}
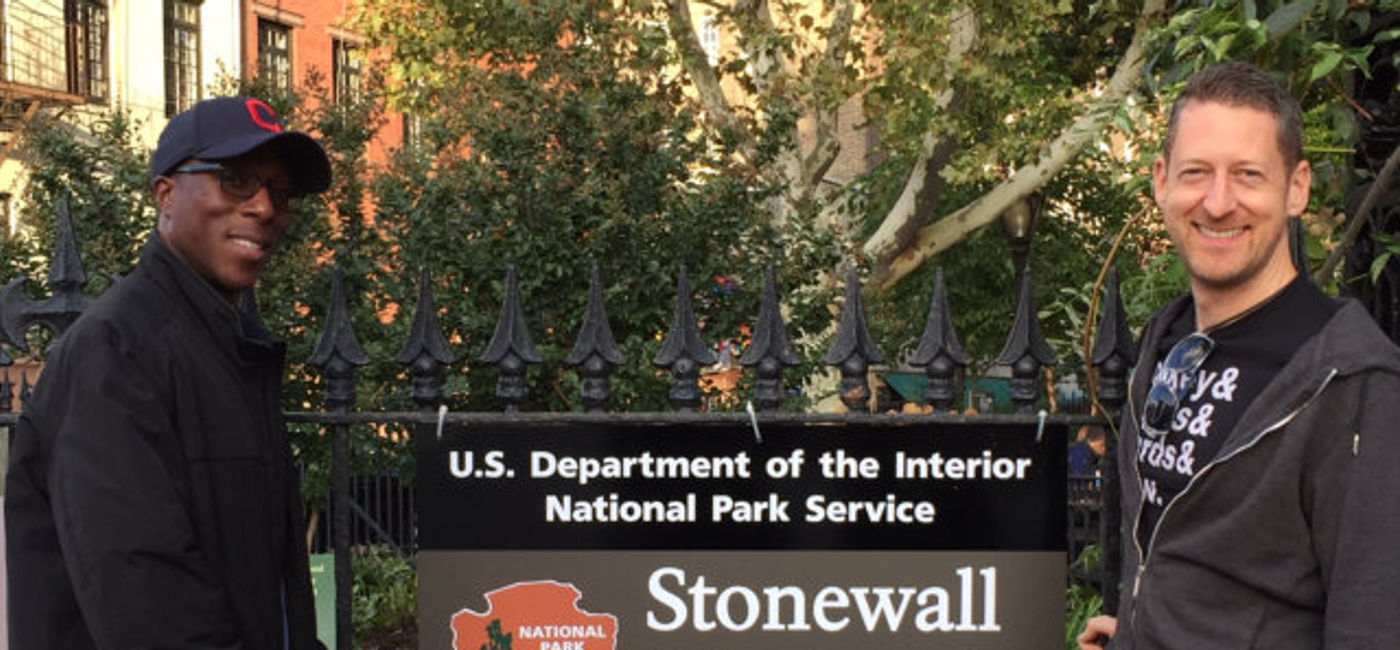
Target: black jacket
{"type": "Point", "coordinates": [1290, 537]}
{"type": "Point", "coordinates": [151, 501]}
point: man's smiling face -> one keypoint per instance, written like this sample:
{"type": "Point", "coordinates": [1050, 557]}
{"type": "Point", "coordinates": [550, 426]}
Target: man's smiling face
{"type": "Point", "coordinates": [1226, 191]}
{"type": "Point", "coordinates": [224, 238]}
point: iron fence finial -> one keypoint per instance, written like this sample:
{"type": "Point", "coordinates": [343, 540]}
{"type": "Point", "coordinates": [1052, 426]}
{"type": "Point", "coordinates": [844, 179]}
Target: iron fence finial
{"type": "Point", "coordinates": [769, 351]}
{"type": "Point", "coordinates": [854, 350]}
{"type": "Point", "coordinates": [940, 352]}
{"type": "Point", "coordinates": [683, 351]}
{"type": "Point", "coordinates": [426, 352]}
{"type": "Point", "coordinates": [595, 352]}
{"type": "Point", "coordinates": [1026, 350]}
{"type": "Point", "coordinates": [66, 283]}
{"type": "Point", "coordinates": [338, 353]}
{"type": "Point", "coordinates": [511, 349]}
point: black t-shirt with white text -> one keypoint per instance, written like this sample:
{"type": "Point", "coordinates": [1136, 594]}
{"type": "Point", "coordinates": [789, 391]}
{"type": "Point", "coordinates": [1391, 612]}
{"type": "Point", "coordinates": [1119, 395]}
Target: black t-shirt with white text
{"type": "Point", "coordinates": [1248, 352]}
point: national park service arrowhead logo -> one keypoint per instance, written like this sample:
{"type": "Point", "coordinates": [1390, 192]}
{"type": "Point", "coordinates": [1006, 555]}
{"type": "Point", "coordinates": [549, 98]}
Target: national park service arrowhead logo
{"type": "Point", "coordinates": [541, 615]}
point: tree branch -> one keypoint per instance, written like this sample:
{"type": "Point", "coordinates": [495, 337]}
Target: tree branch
{"type": "Point", "coordinates": [935, 238]}
{"type": "Point", "coordinates": [697, 65]}
{"type": "Point", "coordinates": [1363, 214]}
{"type": "Point", "coordinates": [828, 146]}
{"type": "Point", "coordinates": [924, 186]}
{"type": "Point", "coordinates": [765, 59]}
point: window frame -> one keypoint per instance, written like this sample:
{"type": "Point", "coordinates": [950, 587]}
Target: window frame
{"type": "Point", "coordinates": [274, 60]}
{"type": "Point", "coordinates": [347, 70]}
{"type": "Point", "coordinates": [709, 37]}
{"type": "Point", "coordinates": [182, 74]}
{"type": "Point", "coordinates": [88, 25]}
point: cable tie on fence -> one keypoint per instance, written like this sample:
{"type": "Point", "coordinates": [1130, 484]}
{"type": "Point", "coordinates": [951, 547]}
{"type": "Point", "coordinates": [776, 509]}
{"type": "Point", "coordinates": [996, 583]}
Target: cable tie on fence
{"type": "Point", "coordinates": [442, 417]}
{"type": "Point", "coordinates": [753, 418]}
{"type": "Point", "coordinates": [1040, 428]}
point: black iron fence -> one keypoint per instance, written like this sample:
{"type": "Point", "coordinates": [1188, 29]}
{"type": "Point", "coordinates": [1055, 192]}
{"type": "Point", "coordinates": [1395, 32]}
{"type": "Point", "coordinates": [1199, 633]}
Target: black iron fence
{"type": "Point", "coordinates": [381, 512]}
{"type": "Point", "coordinates": [379, 509]}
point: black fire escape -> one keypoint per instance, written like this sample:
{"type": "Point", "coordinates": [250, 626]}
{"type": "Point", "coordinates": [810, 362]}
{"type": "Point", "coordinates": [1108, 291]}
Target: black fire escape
{"type": "Point", "coordinates": [53, 53]}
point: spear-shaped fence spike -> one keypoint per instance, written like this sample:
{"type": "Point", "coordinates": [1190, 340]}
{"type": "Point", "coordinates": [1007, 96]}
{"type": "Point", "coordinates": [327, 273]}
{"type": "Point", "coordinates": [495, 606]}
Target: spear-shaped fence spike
{"type": "Point", "coordinates": [595, 352]}
{"type": "Point", "coordinates": [511, 348]}
{"type": "Point", "coordinates": [769, 350]}
{"type": "Point", "coordinates": [1026, 350]}
{"type": "Point", "coordinates": [7, 391]}
{"type": "Point", "coordinates": [683, 352]}
{"type": "Point", "coordinates": [426, 352]}
{"type": "Point", "coordinates": [1115, 351]}
{"type": "Point", "coordinates": [338, 353]}
{"type": "Point", "coordinates": [25, 388]}
{"type": "Point", "coordinates": [940, 353]}
{"type": "Point", "coordinates": [66, 274]}
{"type": "Point", "coordinates": [66, 282]}
{"type": "Point", "coordinates": [853, 350]}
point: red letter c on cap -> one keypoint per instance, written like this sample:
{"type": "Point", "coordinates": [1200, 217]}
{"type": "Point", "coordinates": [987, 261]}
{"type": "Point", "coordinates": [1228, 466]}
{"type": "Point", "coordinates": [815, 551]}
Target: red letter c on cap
{"type": "Point", "coordinates": [263, 115]}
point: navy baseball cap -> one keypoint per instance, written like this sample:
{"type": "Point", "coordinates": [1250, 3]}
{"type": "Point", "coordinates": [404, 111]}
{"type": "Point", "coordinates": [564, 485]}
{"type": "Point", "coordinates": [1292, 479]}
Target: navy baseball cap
{"type": "Point", "coordinates": [228, 127]}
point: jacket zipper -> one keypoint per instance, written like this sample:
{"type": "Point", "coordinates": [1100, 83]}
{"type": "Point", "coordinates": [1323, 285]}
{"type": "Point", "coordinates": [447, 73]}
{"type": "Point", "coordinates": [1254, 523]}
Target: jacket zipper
{"type": "Point", "coordinates": [1137, 476]}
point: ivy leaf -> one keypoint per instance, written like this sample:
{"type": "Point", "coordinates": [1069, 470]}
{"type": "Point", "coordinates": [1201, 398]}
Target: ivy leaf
{"type": "Point", "coordinates": [1361, 19]}
{"type": "Point", "coordinates": [1325, 66]}
{"type": "Point", "coordinates": [1288, 17]}
{"type": "Point", "coordinates": [1361, 58]}
{"type": "Point", "coordinates": [1185, 45]}
{"type": "Point", "coordinates": [1378, 265]}
{"type": "Point", "coordinates": [1221, 48]}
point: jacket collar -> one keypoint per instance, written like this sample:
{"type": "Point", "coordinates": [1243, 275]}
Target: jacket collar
{"type": "Point", "coordinates": [237, 331]}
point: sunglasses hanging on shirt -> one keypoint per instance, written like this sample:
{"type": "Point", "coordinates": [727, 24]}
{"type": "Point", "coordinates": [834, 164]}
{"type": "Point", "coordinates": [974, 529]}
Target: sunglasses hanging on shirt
{"type": "Point", "coordinates": [1173, 381]}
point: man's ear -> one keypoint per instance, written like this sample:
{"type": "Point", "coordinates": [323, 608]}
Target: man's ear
{"type": "Point", "coordinates": [1159, 180]}
{"type": "Point", "coordinates": [1299, 188]}
{"type": "Point", "coordinates": [163, 189]}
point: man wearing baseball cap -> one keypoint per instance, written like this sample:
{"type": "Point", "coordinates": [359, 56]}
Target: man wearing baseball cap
{"type": "Point", "coordinates": [151, 500]}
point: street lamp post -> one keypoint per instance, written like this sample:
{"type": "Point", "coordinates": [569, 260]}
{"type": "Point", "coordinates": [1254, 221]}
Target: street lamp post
{"type": "Point", "coordinates": [1019, 223]}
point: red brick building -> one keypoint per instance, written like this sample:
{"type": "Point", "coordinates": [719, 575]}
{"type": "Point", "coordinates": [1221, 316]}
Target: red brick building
{"type": "Point", "coordinates": [289, 39]}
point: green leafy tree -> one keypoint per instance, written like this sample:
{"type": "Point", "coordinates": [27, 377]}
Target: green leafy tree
{"type": "Point", "coordinates": [96, 167]}
{"type": "Point", "coordinates": [93, 166]}
{"type": "Point", "coordinates": [573, 149]}
{"type": "Point", "coordinates": [975, 108]}
{"type": "Point", "coordinates": [975, 105]}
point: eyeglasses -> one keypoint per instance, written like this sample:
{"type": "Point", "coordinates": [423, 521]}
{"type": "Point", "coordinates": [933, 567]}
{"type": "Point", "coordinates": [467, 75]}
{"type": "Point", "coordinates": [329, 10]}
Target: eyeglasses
{"type": "Point", "coordinates": [243, 185]}
{"type": "Point", "coordinates": [1173, 382]}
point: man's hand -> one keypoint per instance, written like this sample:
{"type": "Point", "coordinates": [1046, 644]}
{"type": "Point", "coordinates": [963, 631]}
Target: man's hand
{"type": "Point", "coordinates": [1097, 632]}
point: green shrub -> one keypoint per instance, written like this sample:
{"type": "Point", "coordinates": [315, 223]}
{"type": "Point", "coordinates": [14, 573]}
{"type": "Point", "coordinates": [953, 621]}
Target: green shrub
{"type": "Point", "coordinates": [385, 598]}
{"type": "Point", "coordinates": [1082, 602]}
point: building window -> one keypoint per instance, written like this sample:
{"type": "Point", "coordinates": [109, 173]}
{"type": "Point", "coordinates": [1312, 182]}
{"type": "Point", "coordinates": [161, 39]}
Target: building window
{"type": "Point", "coordinates": [347, 63]}
{"type": "Point", "coordinates": [181, 55]}
{"type": "Point", "coordinates": [412, 130]}
{"type": "Point", "coordinates": [709, 39]}
{"type": "Point", "coordinates": [86, 22]}
{"type": "Point", "coordinates": [275, 54]}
